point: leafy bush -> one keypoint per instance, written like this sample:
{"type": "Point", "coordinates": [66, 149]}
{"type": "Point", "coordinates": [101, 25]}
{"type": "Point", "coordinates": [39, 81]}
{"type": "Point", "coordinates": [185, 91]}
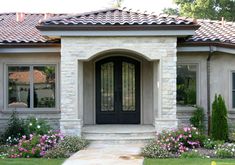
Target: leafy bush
{"type": "Point", "coordinates": [73, 143]}
{"type": "Point", "coordinates": [15, 129]}
{"type": "Point", "coordinates": [212, 144]}
{"type": "Point", "coordinates": [154, 150]}
{"type": "Point", "coordinates": [219, 119]}
{"type": "Point", "coordinates": [226, 151]}
{"type": "Point", "coordinates": [56, 152]}
{"type": "Point", "coordinates": [197, 120]}
{"type": "Point", "coordinates": [36, 126]}
{"type": "Point", "coordinates": [191, 154]}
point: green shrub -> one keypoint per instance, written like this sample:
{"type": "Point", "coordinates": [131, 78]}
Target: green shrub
{"type": "Point", "coordinates": [73, 143]}
{"type": "Point", "coordinates": [197, 120]}
{"type": "Point", "coordinates": [226, 151]}
{"type": "Point", "coordinates": [36, 126]}
{"type": "Point", "coordinates": [154, 150]}
{"type": "Point", "coordinates": [191, 154]}
{"type": "Point", "coordinates": [56, 152]}
{"type": "Point", "coordinates": [219, 119]}
{"type": "Point", "coordinates": [14, 130]}
{"type": "Point", "coordinates": [212, 144]}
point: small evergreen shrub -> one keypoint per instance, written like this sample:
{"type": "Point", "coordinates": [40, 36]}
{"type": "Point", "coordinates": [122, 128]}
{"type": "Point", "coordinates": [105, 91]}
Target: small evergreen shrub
{"type": "Point", "coordinates": [154, 150]}
{"type": "Point", "coordinates": [219, 119]}
{"type": "Point", "coordinates": [73, 143]}
{"type": "Point", "coordinates": [197, 120]}
{"type": "Point", "coordinates": [15, 129]}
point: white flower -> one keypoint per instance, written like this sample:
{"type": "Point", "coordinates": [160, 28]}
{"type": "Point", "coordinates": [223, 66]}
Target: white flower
{"type": "Point", "coordinates": [9, 137]}
{"type": "Point", "coordinates": [30, 124]}
{"type": "Point", "coordinates": [38, 126]}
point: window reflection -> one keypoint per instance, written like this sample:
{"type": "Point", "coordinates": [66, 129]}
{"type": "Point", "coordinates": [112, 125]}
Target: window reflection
{"type": "Point", "coordinates": [31, 83]}
{"type": "Point", "coordinates": [44, 86]}
{"type": "Point", "coordinates": [18, 87]}
{"type": "Point", "coordinates": [186, 84]}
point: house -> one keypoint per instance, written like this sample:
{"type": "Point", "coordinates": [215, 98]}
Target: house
{"type": "Point", "coordinates": [114, 66]}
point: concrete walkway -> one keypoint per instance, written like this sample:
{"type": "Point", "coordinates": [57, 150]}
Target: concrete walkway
{"type": "Point", "coordinates": [107, 154]}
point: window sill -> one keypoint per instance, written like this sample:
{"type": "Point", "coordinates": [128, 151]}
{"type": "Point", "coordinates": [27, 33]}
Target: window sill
{"type": "Point", "coordinates": [31, 111]}
{"type": "Point", "coordinates": [186, 108]}
{"type": "Point", "coordinates": [232, 111]}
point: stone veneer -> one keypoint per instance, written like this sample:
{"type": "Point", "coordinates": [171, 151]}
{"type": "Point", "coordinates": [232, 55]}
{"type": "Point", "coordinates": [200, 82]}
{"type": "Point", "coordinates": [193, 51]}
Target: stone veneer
{"type": "Point", "coordinates": [160, 50]}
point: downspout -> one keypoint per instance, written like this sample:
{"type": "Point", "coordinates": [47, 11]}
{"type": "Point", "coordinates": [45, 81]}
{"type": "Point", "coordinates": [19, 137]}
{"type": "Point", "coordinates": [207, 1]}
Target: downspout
{"type": "Point", "coordinates": [209, 89]}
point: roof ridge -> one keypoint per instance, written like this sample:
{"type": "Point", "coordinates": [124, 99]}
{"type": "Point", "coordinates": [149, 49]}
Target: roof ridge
{"type": "Point", "coordinates": [95, 12]}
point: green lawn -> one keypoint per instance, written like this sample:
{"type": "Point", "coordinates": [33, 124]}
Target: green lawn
{"type": "Point", "coordinates": [31, 161]}
{"type": "Point", "coordinates": [188, 161]}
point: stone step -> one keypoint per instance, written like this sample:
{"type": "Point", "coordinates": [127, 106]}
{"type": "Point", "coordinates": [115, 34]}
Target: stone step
{"type": "Point", "coordinates": [118, 134]}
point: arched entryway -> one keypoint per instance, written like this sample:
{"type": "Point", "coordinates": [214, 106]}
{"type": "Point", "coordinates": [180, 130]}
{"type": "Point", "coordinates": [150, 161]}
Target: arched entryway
{"type": "Point", "coordinates": [117, 90]}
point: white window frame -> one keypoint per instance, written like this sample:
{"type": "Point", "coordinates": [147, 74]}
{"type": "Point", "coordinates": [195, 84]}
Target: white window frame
{"type": "Point", "coordinates": [197, 80]}
{"type": "Point", "coordinates": [31, 109]}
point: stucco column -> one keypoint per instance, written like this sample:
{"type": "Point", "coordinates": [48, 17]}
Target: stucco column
{"type": "Point", "coordinates": [165, 91]}
{"type": "Point", "coordinates": [71, 88]}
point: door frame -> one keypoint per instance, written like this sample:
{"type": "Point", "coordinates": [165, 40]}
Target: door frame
{"type": "Point", "coordinates": [139, 69]}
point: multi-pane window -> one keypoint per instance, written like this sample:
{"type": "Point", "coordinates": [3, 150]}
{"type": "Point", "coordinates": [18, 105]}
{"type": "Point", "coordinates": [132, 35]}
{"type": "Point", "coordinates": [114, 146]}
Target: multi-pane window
{"type": "Point", "coordinates": [186, 84]}
{"type": "Point", "coordinates": [233, 90]}
{"type": "Point", "coordinates": [31, 86]}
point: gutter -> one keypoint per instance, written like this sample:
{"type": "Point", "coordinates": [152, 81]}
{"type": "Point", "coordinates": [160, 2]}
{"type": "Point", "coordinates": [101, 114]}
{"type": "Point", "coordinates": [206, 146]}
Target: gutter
{"type": "Point", "coordinates": [211, 52]}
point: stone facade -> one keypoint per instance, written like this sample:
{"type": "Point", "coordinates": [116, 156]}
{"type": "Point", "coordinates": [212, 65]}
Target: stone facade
{"type": "Point", "coordinates": [160, 50]}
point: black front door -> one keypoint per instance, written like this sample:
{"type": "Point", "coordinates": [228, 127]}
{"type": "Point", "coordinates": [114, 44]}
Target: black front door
{"type": "Point", "coordinates": [118, 91]}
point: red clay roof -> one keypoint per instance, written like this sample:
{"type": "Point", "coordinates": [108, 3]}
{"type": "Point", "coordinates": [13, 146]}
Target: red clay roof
{"type": "Point", "coordinates": [23, 77]}
{"type": "Point", "coordinates": [117, 17]}
{"type": "Point", "coordinates": [214, 31]}
{"type": "Point", "coordinates": [12, 31]}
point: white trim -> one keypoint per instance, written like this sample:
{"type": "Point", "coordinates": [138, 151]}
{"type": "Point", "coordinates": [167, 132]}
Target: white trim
{"type": "Point", "coordinates": [30, 50]}
{"type": "Point", "coordinates": [204, 49]}
{"type": "Point", "coordinates": [119, 33]}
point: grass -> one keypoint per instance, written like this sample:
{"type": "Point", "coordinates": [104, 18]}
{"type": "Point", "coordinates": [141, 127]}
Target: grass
{"type": "Point", "coordinates": [31, 161]}
{"type": "Point", "coordinates": [193, 161]}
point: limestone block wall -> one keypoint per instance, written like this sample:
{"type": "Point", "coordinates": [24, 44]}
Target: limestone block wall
{"type": "Point", "coordinates": [160, 50]}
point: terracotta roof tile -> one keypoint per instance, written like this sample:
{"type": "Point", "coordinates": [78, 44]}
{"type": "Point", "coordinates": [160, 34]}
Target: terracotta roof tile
{"type": "Point", "coordinates": [117, 17]}
{"type": "Point", "coordinates": [12, 31]}
{"type": "Point", "coordinates": [214, 31]}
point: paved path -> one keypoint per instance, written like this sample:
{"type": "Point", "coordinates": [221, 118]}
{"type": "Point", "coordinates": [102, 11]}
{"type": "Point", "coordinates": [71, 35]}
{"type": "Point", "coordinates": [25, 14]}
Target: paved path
{"type": "Point", "coordinates": [107, 154]}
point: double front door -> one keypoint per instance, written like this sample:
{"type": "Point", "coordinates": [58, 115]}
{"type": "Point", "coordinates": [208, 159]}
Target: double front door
{"type": "Point", "coordinates": [118, 91]}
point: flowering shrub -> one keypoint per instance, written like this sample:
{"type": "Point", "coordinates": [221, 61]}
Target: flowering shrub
{"type": "Point", "coordinates": [73, 143]}
{"type": "Point", "coordinates": [154, 150]}
{"type": "Point", "coordinates": [36, 145]}
{"type": "Point", "coordinates": [212, 144]}
{"type": "Point", "coordinates": [57, 152]}
{"type": "Point", "coordinates": [226, 150]}
{"type": "Point", "coordinates": [175, 142]}
{"type": "Point", "coordinates": [36, 126]}
{"type": "Point", "coordinates": [179, 141]}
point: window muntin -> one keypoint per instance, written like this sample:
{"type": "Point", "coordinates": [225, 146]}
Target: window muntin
{"type": "Point", "coordinates": [31, 86]}
{"type": "Point", "coordinates": [186, 84]}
